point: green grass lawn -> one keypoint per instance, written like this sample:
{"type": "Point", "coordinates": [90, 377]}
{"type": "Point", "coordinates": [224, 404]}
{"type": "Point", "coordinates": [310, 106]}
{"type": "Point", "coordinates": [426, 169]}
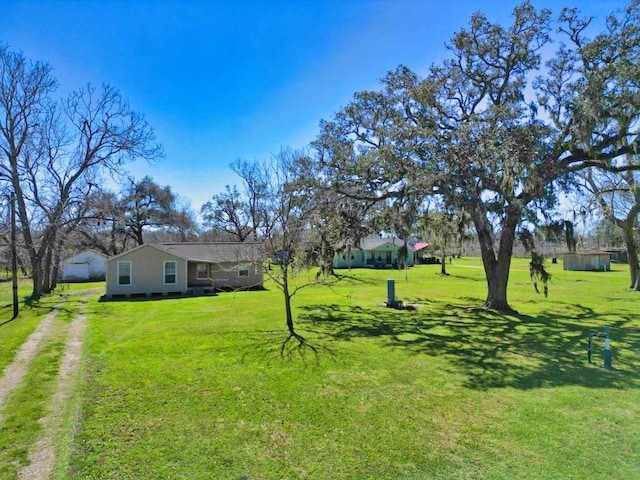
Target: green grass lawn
{"type": "Point", "coordinates": [13, 332]}
{"type": "Point", "coordinates": [196, 388]}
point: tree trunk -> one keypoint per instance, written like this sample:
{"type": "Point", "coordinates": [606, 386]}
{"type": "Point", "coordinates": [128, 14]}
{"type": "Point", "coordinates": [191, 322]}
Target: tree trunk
{"type": "Point", "coordinates": [636, 285]}
{"type": "Point", "coordinates": [287, 300]}
{"type": "Point", "coordinates": [36, 277]}
{"type": "Point", "coordinates": [632, 255]}
{"type": "Point", "coordinates": [23, 267]}
{"type": "Point", "coordinates": [55, 271]}
{"type": "Point", "coordinates": [137, 231]}
{"type": "Point", "coordinates": [443, 263]}
{"type": "Point", "coordinates": [46, 271]}
{"type": "Point", "coordinates": [497, 282]}
{"type": "Point", "coordinates": [34, 253]}
{"type": "Point", "coordinates": [406, 260]}
{"type": "Point", "coordinates": [496, 268]}
{"type": "Point", "coordinates": [323, 259]}
{"type": "Point", "coordinates": [326, 258]}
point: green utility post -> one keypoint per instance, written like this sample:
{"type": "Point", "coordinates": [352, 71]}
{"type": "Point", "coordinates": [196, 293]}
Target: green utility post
{"type": "Point", "coordinates": [607, 348]}
{"type": "Point", "coordinates": [391, 292]}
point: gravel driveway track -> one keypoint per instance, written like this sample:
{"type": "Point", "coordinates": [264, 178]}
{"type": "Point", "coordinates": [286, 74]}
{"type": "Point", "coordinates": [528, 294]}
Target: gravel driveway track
{"type": "Point", "coordinates": [17, 369]}
{"type": "Point", "coordinates": [42, 453]}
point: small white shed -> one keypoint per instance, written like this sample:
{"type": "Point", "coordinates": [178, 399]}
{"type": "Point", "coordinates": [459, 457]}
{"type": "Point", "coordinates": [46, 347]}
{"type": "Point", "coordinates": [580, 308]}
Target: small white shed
{"type": "Point", "coordinates": [85, 266]}
{"type": "Point", "coordinates": [587, 261]}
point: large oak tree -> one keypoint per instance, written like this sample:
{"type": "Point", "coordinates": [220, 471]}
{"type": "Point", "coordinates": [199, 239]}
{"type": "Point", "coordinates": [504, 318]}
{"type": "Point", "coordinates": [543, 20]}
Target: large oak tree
{"type": "Point", "coordinates": [493, 129]}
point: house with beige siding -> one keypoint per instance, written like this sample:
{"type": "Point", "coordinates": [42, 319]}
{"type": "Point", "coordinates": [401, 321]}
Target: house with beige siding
{"type": "Point", "coordinates": [184, 268]}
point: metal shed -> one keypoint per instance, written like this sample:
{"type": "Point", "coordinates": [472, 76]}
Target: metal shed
{"type": "Point", "coordinates": [586, 261]}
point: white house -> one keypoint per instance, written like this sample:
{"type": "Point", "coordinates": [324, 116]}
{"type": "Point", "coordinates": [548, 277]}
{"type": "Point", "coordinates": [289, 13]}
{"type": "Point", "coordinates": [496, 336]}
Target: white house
{"type": "Point", "coordinates": [85, 266]}
{"type": "Point", "coordinates": [374, 252]}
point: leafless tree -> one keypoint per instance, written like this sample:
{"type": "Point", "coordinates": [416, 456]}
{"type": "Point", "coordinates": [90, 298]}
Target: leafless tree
{"type": "Point", "coordinates": [243, 214]}
{"type": "Point", "coordinates": [54, 152]}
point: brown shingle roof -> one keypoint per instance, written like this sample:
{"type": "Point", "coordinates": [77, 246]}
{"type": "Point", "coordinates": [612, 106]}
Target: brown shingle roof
{"type": "Point", "coordinates": [217, 252]}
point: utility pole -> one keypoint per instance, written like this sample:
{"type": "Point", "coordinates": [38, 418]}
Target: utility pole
{"type": "Point", "coordinates": [14, 255]}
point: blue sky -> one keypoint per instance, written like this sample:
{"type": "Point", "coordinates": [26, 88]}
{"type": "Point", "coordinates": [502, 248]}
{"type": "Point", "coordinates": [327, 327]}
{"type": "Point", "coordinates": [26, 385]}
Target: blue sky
{"type": "Point", "coordinates": [222, 80]}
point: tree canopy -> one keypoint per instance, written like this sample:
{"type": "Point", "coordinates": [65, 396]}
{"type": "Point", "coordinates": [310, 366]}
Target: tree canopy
{"type": "Point", "coordinates": [494, 130]}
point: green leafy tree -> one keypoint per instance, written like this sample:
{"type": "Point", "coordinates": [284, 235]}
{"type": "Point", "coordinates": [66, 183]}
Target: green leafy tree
{"type": "Point", "coordinates": [335, 223]}
{"type": "Point", "coordinates": [466, 132]}
{"type": "Point", "coordinates": [399, 217]}
{"type": "Point", "coordinates": [608, 234]}
{"type": "Point", "coordinates": [145, 204]}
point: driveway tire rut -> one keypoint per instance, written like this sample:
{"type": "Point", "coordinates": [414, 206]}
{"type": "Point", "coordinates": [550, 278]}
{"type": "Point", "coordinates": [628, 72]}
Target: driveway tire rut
{"type": "Point", "coordinates": [42, 454]}
{"type": "Point", "coordinates": [16, 370]}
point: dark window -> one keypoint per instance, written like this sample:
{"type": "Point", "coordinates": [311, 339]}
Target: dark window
{"type": "Point", "coordinates": [124, 273]}
{"type": "Point", "coordinates": [170, 269]}
{"type": "Point", "coordinates": [202, 271]}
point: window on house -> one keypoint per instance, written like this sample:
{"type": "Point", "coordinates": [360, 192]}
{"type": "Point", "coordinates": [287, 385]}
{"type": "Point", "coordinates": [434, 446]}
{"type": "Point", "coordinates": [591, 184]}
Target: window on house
{"type": "Point", "coordinates": [124, 273]}
{"type": "Point", "coordinates": [243, 270]}
{"type": "Point", "coordinates": [170, 269]}
{"type": "Point", "coordinates": [202, 271]}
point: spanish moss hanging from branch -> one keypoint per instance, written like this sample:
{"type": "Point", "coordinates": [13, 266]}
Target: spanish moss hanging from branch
{"type": "Point", "coordinates": [539, 273]}
{"type": "Point", "coordinates": [537, 269]}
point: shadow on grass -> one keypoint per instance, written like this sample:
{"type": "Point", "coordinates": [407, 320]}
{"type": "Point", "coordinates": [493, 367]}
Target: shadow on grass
{"type": "Point", "coordinates": [29, 304]}
{"type": "Point", "coordinates": [464, 277]}
{"type": "Point", "coordinates": [493, 350]}
{"type": "Point", "coordinates": [9, 309]}
{"type": "Point", "coordinates": [281, 345]}
{"type": "Point", "coordinates": [296, 344]}
{"type": "Point", "coordinates": [348, 277]}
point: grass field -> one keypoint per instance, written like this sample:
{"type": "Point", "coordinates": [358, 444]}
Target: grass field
{"type": "Point", "coordinates": [197, 388]}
